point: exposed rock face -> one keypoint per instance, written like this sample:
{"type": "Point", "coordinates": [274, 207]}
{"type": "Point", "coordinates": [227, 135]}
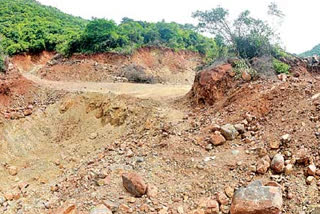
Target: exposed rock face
{"type": "Point", "coordinates": [257, 199]}
{"type": "Point", "coordinates": [212, 84]}
{"type": "Point", "coordinates": [134, 184]}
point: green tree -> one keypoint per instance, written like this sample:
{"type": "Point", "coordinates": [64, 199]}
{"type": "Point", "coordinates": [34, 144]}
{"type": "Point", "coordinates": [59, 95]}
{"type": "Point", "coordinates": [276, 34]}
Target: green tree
{"type": "Point", "coordinates": [246, 36]}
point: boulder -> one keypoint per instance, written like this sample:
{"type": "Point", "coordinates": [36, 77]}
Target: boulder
{"type": "Point", "coordinates": [212, 84]}
{"type": "Point", "coordinates": [229, 132]}
{"type": "Point", "coordinates": [134, 184]}
{"type": "Point", "coordinates": [257, 199]}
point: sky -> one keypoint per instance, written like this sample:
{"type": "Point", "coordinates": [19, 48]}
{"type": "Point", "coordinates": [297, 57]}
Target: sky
{"type": "Point", "coordinates": [299, 30]}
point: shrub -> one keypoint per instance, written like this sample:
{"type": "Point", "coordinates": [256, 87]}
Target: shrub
{"type": "Point", "coordinates": [240, 66]}
{"type": "Point", "coordinates": [2, 64]}
{"type": "Point", "coordinates": [280, 67]}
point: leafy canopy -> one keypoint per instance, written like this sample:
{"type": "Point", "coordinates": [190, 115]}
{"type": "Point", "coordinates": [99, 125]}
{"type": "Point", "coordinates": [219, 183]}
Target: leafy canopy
{"type": "Point", "coordinates": [246, 36]}
{"type": "Point", "coordinates": [28, 26]}
{"type": "Point", "coordinates": [101, 35]}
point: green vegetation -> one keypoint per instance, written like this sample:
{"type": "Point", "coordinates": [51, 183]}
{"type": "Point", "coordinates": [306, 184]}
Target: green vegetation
{"type": "Point", "coordinates": [27, 26]}
{"type": "Point", "coordinates": [2, 58]}
{"type": "Point", "coordinates": [312, 52]}
{"type": "Point", "coordinates": [240, 66]}
{"type": "Point", "coordinates": [280, 67]}
{"type": "Point", "coordinates": [102, 35]}
{"type": "Point", "coordinates": [245, 36]}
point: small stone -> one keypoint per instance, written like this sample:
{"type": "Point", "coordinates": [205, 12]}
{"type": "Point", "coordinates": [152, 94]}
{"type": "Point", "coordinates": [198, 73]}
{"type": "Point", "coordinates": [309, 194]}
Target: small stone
{"type": "Point", "coordinates": [222, 198]}
{"type": "Point", "coordinates": [274, 145]}
{"type": "Point", "coordinates": [312, 170]}
{"type": "Point", "coordinates": [229, 191]}
{"type": "Point", "coordinates": [288, 169]}
{"type": "Point", "coordinates": [100, 209]}
{"type": "Point", "coordinates": [262, 152]}
{"type": "Point", "coordinates": [277, 163]}
{"type": "Point", "coordinates": [217, 138]}
{"type": "Point", "coordinates": [245, 76]}
{"type": "Point", "coordinates": [229, 132]}
{"type": "Point", "coordinates": [180, 210]}
{"type": "Point", "coordinates": [123, 208]}
{"type": "Point", "coordinates": [263, 165]}
{"type": "Point", "coordinates": [289, 196]}
{"type": "Point", "coordinates": [240, 128]}
{"type": "Point", "coordinates": [134, 184]}
{"type": "Point", "coordinates": [225, 209]}
{"type": "Point", "coordinates": [253, 168]}
{"type": "Point", "coordinates": [212, 207]}
{"type": "Point", "coordinates": [309, 180]}
{"type": "Point", "coordinates": [286, 138]}
{"type": "Point", "coordinates": [93, 136]}
{"type": "Point", "coordinates": [152, 191]}
{"type": "Point", "coordinates": [13, 170]}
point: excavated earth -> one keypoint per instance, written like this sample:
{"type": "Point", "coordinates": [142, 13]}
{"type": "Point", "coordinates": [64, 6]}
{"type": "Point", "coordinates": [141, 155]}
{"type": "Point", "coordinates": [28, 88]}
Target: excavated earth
{"type": "Point", "coordinates": [64, 147]}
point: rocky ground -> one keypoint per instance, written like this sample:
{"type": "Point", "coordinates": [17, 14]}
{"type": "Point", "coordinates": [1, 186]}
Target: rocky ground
{"type": "Point", "coordinates": [231, 145]}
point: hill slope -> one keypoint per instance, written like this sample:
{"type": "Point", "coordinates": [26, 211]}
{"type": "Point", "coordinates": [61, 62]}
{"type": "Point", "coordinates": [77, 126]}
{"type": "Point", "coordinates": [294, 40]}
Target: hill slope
{"type": "Point", "coordinates": [313, 51]}
{"type": "Point", "coordinates": [26, 25]}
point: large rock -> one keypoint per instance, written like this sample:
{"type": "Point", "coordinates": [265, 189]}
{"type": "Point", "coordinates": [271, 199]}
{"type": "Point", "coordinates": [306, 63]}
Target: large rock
{"type": "Point", "coordinates": [211, 84]}
{"type": "Point", "coordinates": [257, 199]}
{"type": "Point", "coordinates": [229, 132]}
{"type": "Point", "coordinates": [134, 184]}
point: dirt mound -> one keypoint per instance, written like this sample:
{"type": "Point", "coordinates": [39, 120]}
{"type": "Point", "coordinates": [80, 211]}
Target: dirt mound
{"type": "Point", "coordinates": [155, 65]}
{"type": "Point", "coordinates": [26, 61]}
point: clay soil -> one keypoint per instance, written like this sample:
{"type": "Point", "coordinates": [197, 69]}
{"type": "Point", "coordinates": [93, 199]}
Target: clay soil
{"type": "Point", "coordinates": [82, 136]}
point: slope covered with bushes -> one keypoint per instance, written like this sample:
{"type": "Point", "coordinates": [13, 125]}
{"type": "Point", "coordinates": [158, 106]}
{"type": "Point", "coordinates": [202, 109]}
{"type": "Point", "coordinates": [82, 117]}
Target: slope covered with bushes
{"type": "Point", "coordinates": [102, 35]}
{"type": "Point", "coordinates": [28, 26]}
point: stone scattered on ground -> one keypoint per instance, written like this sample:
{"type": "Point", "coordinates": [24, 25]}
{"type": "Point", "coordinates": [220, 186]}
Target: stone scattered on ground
{"type": "Point", "coordinates": [257, 198]}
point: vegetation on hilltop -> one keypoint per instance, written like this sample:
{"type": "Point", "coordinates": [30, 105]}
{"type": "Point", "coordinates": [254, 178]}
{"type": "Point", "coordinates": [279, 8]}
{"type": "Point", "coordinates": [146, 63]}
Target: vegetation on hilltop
{"type": "Point", "coordinates": [246, 36]}
{"type": "Point", "coordinates": [102, 35]}
{"type": "Point", "coordinates": [28, 26]}
{"type": "Point", "coordinates": [312, 52]}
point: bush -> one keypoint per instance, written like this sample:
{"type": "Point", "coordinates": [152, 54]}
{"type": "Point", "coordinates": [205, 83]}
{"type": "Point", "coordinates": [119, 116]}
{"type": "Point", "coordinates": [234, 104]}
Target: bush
{"type": "Point", "coordinates": [280, 67]}
{"type": "Point", "coordinates": [2, 64]}
{"type": "Point", "coordinates": [240, 66]}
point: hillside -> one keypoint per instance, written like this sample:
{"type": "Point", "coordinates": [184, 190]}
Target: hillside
{"type": "Point", "coordinates": [313, 51]}
{"type": "Point", "coordinates": [26, 25]}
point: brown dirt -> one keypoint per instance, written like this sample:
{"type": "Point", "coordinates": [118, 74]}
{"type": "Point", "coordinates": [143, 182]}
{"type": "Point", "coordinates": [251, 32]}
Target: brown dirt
{"type": "Point", "coordinates": [153, 131]}
{"type": "Point", "coordinates": [163, 65]}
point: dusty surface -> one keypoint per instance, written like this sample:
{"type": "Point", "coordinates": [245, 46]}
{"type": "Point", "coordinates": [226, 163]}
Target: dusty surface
{"type": "Point", "coordinates": [76, 149]}
{"type": "Point", "coordinates": [159, 65]}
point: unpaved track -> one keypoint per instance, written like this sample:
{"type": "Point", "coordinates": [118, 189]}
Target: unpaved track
{"type": "Point", "coordinates": [154, 91]}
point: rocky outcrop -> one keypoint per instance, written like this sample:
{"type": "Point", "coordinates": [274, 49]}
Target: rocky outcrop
{"type": "Point", "coordinates": [212, 84]}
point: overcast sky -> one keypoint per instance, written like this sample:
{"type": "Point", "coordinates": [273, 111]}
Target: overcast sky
{"type": "Point", "coordinates": [300, 30]}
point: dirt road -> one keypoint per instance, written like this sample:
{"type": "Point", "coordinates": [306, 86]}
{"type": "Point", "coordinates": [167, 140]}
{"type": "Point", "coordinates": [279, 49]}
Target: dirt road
{"type": "Point", "coordinates": [154, 91]}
